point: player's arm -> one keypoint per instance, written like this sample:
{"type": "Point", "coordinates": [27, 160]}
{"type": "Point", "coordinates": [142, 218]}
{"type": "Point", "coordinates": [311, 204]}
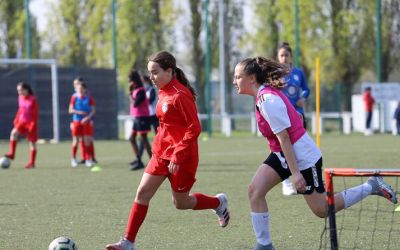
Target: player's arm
{"type": "Point", "coordinates": [35, 112]}
{"type": "Point", "coordinates": [187, 107]}
{"type": "Point", "coordinates": [287, 148]}
{"type": "Point", "coordinates": [92, 111]}
{"type": "Point", "coordinates": [140, 97]}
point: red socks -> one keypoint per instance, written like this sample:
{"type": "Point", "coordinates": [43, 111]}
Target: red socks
{"type": "Point", "coordinates": [92, 150]}
{"type": "Point", "coordinates": [32, 157]}
{"type": "Point", "coordinates": [205, 201]}
{"type": "Point", "coordinates": [136, 218]}
{"type": "Point", "coordinates": [11, 153]}
{"type": "Point", "coordinates": [83, 150]}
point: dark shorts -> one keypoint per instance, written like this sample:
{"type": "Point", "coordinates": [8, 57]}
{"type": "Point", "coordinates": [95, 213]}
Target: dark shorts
{"type": "Point", "coordinates": [154, 123]}
{"type": "Point", "coordinates": [141, 125]}
{"type": "Point", "coordinates": [312, 175]}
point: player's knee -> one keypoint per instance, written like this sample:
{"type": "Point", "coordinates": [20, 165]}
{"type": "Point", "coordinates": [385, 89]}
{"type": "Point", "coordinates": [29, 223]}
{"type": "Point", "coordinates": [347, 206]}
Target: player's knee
{"type": "Point", "coordinates": [254, 193]}
{"type": "Point", "coordinates": [143, 195]}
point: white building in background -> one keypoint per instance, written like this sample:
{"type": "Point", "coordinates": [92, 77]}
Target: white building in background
{"type": "Point", "coordinates": [387, 96]}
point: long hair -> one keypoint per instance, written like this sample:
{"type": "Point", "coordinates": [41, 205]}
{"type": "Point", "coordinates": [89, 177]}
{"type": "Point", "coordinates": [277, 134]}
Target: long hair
{"type": "Point", "coordinates": [167, 61]}
{"type": "Point", "coordinates": [134, 76]}
{"type": "Point", "coordinates": [26, 86]}
{"type": "Point", "coordinates": [267, 71]}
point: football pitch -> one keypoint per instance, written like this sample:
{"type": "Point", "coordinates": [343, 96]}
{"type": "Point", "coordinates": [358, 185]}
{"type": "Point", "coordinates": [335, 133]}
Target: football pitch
{"type": "Point", "coordinates": [92, 208]}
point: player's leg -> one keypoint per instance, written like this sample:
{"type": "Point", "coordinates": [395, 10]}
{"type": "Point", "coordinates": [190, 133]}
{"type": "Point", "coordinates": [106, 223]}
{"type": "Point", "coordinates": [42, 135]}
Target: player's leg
{"type": "Point", "coordinates": [146, 190]}
{"type": "Point", "coordinates": [345, 199]}
{"type": "Point", "coordinates": [182, 182]}
{"type": "Point", "coordinates": [273, 170]}
{"type": "Point", "coordinates": [32, 138]}
{"type": "Point", "coordinates": [32, 154]}
{"type": "Point", "coordinates": [263, 181]}
{"type": "Point", "coordinates": [13, 143]}
{"type": "Point", "coordinates": [88, 153]}
{"type": "Point", "coordinates": [146, 144]}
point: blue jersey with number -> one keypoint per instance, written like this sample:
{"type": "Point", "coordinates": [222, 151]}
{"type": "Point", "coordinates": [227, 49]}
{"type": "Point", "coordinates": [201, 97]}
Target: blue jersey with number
{"type": "Point", "coordinates": [296, 87]}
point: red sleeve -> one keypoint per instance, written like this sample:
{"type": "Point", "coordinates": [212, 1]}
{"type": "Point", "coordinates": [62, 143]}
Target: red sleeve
{"type": "Point", "coordinates": [92, 102]}
{"type": "Point", "coordinates": [72, 100]}
{"type": "Point", "coordinates": [188, 110]}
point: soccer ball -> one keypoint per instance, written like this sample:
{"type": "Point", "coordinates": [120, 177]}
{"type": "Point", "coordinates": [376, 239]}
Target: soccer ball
{"type": "Point", "coordinates": [63, 243]}
{"type": "Point", "coordinates": [5, 162]}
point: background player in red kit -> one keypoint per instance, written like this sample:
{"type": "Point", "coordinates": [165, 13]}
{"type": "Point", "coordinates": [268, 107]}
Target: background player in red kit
{"type": "Point", "coordinates": [175, 150]}
{"type": "Point", "coordinates": [25, 122]}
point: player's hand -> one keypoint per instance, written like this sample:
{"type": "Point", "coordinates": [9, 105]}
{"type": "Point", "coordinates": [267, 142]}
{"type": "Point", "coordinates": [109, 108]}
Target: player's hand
{"type": "Point", "coordinates": [173, 168]}
{"type": "Point", "coordinates": [85, 120]}
{"type": "Point", "coordinates": [300, 103]}
{"type": "Point", "coordinates": [299, 182]}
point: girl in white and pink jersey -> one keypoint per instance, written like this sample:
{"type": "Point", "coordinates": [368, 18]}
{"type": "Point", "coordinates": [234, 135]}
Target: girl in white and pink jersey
{"type": "Point", "coordinates": [293, 152]}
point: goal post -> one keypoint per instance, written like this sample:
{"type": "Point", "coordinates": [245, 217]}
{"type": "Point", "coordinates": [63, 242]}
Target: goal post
{"type": "Point", "coordinates": [54, 87]}
{"type": "Point", "coordinates": [330, 193]}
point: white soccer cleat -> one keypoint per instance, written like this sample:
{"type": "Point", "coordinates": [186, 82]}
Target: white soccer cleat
{"type": "Point", "coordinates": [379, 187]}
{"type": "Point", "coordinates": [222, 210]}
{"type": "Point", "coordinates": [122, 244]}
{"type": "Point", "coordinates": [89, 163]}
{"type": "Point", "coordinates": [74, 163]}
{"type": "Point", "coordinates": [287, 188]}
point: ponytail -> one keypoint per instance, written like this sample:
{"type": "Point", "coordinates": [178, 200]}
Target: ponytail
{"type": "Point", "coordinates": [180, 75]}
{"type": "Point", "coordinates": [266, 71]}
{"type": "Point", "coordinates": [167, 61]}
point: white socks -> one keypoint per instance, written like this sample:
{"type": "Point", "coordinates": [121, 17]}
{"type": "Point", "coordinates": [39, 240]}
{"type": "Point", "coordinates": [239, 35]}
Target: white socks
{"type": "Point", "coordinates": [261, 227]}
{"type": "Point", "coordinates": [355, 194]}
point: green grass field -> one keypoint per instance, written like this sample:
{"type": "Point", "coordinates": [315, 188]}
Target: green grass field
{"type": "Point", "coordinates": [38, 205]}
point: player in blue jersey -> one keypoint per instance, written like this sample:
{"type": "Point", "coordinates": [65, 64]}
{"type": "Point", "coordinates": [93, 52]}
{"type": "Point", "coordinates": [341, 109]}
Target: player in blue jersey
{"type": "Point", "coordinates": [297, 91]}
{"type": "Point", "coordinates": [82, 108]}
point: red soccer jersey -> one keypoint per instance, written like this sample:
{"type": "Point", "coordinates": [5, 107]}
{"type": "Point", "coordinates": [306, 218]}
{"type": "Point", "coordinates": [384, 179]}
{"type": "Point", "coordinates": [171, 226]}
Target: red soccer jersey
{"type": "Point", "coordinates": [28, 110]}
{"type": "Point", "coordinates": [176, 138]}
{"type": "Point", "coordinates": [369, 101]}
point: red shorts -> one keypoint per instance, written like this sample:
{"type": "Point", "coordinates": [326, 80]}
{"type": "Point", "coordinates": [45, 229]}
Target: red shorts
{"type": "Point", "coordinates": [26, 129]}
{"type": "Point", "coordinates": [182, 181]}
{"type": "Point", "coordinates": [81, 129]}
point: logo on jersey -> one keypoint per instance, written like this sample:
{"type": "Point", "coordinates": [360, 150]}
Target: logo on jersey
{"type": "Point", "coordinates": [164, 107]}
{"type": "Point", "coordinates": [296, 78]}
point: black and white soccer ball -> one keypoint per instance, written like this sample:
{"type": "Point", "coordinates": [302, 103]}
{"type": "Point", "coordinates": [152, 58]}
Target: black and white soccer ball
{"type": "Point", "coordinates": [63, 243]}
{"type": "Point", "coordinates": [5, 162]}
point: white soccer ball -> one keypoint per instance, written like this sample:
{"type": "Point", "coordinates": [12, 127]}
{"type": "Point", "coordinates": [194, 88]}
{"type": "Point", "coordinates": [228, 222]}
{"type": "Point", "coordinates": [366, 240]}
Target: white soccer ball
{"type": "Point", "coordinates": [5, 162]}
{"type": "Point", "coordinates": [63, 243]}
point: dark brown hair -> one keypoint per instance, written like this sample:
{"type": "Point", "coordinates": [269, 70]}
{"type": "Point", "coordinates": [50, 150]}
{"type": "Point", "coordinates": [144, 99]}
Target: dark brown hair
{"type": "Point", "coordinates": [26, 86]}
{"type": "Point", "coordinates": [286, 46]}
{"type": "Point", "coordinates": [267, 71]}
{"type": "Point", "coordinates": [167, 61]}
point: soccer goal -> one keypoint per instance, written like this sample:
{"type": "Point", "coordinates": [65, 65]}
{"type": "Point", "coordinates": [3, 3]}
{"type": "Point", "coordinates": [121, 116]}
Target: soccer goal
{"type": "Point", "coordinates": [54, 87]}
{"type": "Point", "coordinates": [374, 223]}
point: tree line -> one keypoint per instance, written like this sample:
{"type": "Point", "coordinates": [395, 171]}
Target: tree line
{"type": "Point", "coordinates": [340, 32]}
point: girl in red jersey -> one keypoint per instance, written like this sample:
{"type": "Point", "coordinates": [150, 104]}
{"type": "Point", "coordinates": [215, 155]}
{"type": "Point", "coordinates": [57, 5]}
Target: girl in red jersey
{"type": "Point", "coordinates": [25, 122]}
{"type": "Point", "coordinates": [175, 150]}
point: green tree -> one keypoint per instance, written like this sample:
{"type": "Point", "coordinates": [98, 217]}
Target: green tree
{"type": "Point", "coordinates": [64, 32]}
{"type": "Point", "coordinates": [12, 28]}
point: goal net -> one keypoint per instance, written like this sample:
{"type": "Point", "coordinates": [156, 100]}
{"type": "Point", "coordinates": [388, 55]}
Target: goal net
{"type": "Point", "coordinates": [373, 223]}
{"type": "Point", "coordinates": [14, 70]}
